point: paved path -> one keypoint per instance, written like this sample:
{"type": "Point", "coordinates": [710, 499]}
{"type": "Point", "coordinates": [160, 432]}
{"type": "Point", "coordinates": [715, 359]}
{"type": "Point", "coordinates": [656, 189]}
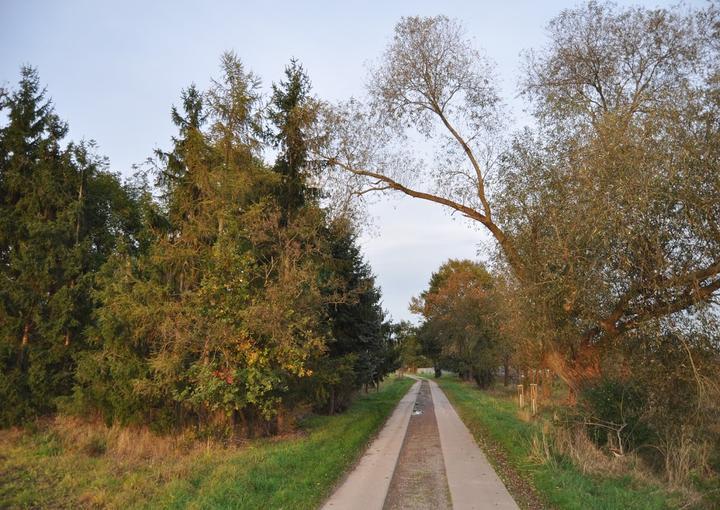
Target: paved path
{"type": "Point", "coordinates": [472, 480]}
{"type": "Point", "coordinates": [366, 486]}
{"type": "Point", "coordinates": [419, 481]}
{"type": "Point", "coordinates": [403, 467]}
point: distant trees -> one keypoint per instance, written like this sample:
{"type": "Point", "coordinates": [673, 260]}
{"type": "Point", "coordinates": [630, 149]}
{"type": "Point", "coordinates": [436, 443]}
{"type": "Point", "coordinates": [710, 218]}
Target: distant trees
{"type": "Point", "coordinates": [412, 352]}
{"type": "Point", "coordinates": [462, 321]}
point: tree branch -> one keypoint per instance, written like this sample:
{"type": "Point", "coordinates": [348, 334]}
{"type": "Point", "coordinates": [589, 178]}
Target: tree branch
{"type": "Point", "coordinates": [691, 296]}
{"type": "Point", "coordinates": [500, 236]}
{"type": "Point", "coordinates": [468, 151]}
{"type": "Point", "coordinates": [693, 293]}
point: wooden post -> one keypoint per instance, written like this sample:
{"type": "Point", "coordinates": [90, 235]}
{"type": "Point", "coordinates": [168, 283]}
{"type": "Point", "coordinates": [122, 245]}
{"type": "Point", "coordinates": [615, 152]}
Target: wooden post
{"type": "Point", "coordinates": [521, 399]}
{"type": "Point", "coordinates": [533, 398]}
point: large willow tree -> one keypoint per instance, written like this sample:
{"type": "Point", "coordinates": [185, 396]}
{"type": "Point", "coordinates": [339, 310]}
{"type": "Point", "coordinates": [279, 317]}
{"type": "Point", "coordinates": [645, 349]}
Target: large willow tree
{"type": "Point", "coordinates": [606, 211]}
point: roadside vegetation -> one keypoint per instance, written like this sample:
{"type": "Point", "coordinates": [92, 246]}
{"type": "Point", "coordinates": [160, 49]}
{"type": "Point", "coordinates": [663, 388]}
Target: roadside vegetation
{"type": "Point", "coordinates": [556, 472]}
{"type": "Point", "coordinates": [623, 430]}
{"type": "Point", "coordinates": [68, 463]}
{"type": "Point", "coordinates": [604, 212]}
{"type": "Point", "coordinates": [211, 291]}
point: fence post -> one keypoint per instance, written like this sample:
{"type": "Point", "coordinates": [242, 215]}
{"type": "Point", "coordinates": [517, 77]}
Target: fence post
{"type": "Point", "coordinates": [521, 399]}
{"type": "Point", "coordinates": [533, 398]}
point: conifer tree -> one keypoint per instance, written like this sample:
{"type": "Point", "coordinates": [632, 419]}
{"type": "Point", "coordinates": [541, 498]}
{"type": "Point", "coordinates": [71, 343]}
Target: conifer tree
{"type": "Point", "coordinates": [356, 338]}
{"type": "Point", "coordinates": [220, 317]}
{"type": "Point", "coordinates": [61, 214]}
{"type": "Point", "coordinates": [291, 112]}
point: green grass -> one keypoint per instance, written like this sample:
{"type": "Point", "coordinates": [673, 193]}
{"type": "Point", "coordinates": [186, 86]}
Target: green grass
{"type": "Point", "coordinates": [39, 469]}
{"type": "Point", "coordinates": [494, 418]}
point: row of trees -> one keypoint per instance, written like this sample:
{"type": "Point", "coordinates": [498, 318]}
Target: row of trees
{"type": "Point", "coordinates": [221, 294]}
{"type": "Point", "coordinates": [605, 211]}
{"type": "Point", "coordinates": [463, 321]}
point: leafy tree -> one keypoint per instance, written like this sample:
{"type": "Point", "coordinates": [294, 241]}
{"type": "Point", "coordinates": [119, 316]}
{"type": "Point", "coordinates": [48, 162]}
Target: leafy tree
{"type": "Point", "coordinates": [360, 348]}
{"type": "Point", "coordinates": [604, 213]}
{"type": "Point", "coordinates": [462, 321]}
{"type": "Point", "coordinates": [587, 210]}
{"type": "Point", "coordinates": [61, 215]}
{"type": "Point", "coordinates": [412, 354]}
{"type": "Point", "coordinates": [597, 203]}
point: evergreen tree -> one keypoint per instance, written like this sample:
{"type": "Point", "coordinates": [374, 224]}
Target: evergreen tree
{"type": "Point", "coordinates": [221, 316]}
{"type": "Point", "coordinates": [291, 112]}
{"type": "Point", "coordinates": [167, 312]}
{"type": "Point", "coordinates": [357, 352]}
{"type": "Point", "coordinates": [219, 304]}
{"type": "Point", "coordinates": [361, 350]}
{"type": "Point", "coordinates": [61, 215]}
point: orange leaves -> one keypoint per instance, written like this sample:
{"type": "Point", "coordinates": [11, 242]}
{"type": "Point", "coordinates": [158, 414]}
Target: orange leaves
{"type": "Point", "coordinates": [224, 375]}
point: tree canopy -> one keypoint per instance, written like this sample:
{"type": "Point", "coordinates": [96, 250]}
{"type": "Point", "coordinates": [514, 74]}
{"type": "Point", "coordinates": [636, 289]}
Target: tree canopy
{"type": "Point", "coordinates": [221, 295]}
{"type": "Point", "coordinates": [604, 213]}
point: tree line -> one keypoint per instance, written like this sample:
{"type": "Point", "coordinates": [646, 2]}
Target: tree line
{"type": "Point", "coordinates": [211, 290]}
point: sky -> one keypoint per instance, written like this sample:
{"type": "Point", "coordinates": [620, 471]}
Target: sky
{"type": "Point", "coordinates": [115, 68]}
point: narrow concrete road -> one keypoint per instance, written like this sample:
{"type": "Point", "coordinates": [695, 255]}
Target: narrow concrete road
{"type": "Point", "coordinates": [419, 481]}
{"type": "Point", "coordinates": [424, 458]}
{"type": "Point", "coordinates": [474, 485]}
{"type": "Point", "coordinates": [366, 486]}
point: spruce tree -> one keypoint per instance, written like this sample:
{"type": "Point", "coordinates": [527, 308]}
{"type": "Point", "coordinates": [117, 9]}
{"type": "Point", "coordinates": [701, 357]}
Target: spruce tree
{"type": "Point", "coordinates": [291, 112]}
{"type": "Point", "coordinates": [61, 214]}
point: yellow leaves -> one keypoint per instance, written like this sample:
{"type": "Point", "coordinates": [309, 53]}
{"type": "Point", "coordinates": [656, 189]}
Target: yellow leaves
{"type": "Point", "coordinates": [252, 358]}
{"type": "Point", "coordinates": [304, 372]}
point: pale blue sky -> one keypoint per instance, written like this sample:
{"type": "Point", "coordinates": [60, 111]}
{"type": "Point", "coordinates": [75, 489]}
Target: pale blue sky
{"type": "Point", "coordinates": [115, 68]}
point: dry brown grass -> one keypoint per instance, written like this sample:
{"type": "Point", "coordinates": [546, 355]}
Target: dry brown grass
{"type": "Point", "coordinates": [82, 460]}
{"type": "Point", "coordinates": [71, 463]}
{"type": "Point", "coordinates": [126, 444]}
{"type": "Point", "coordinates": [574, 444]}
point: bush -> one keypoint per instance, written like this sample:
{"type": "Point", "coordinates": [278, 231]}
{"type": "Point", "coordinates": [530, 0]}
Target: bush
{"type": "Point", "coordinates": [612, 411]}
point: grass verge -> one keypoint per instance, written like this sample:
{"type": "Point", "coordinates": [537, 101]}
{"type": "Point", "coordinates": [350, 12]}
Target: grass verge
{"type": "Point", "coordinates": [512, 445]}
{"type": "Point", "coordinates": [71, 465]}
